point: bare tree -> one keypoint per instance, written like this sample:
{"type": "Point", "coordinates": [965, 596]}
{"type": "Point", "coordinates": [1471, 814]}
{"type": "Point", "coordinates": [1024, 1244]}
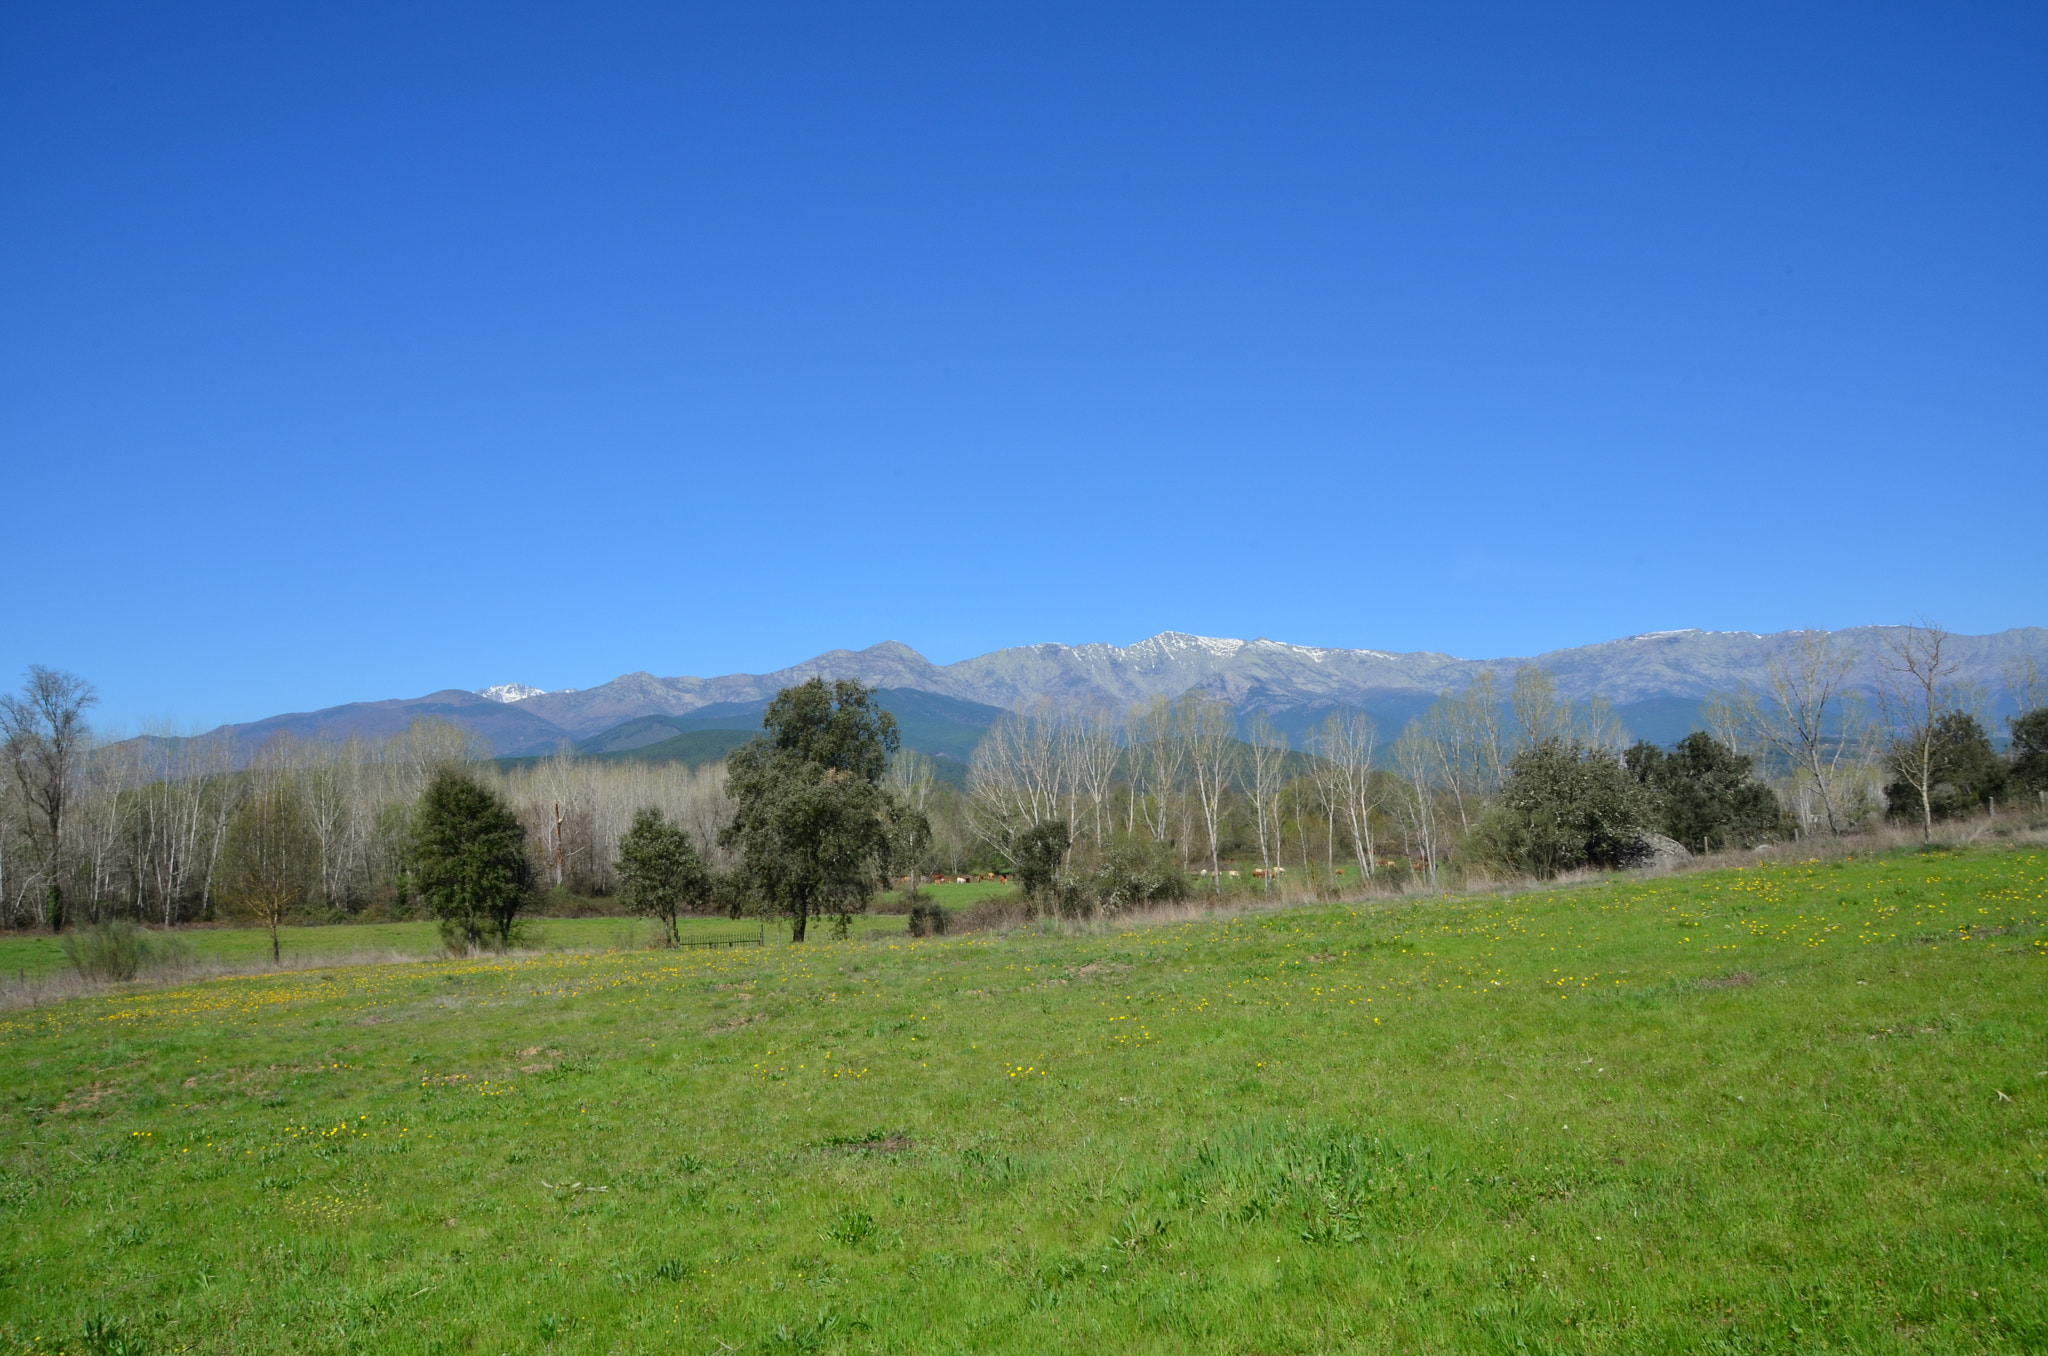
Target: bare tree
{"type": "Point", "coordinates": [271, 854]}
{"type": "Point", "coordinates": [1207, 727]}
{"type": "Point", "coordinates": [1268, 760]}
{"type": "Point", "coordinates": [44, 737]}
{"type": "Point", "coordinates": [1093, 753]}
{"type": "Point", "coordinates": [104, 820]}
{"type": "Point", "coordinates": [911, 780]}
{"type": "Point", "coordinates": [1806, 715]}
{"type": "Point", "coordinates": [1016, 777]}
{"type": "Point", "coordinates": [2024, 685]}
{"type": "Point", "coordinates": [1158, 755]}
{"type": "Point", "coordinates": [1916, 691]}
{"type": "Point", "coordinates": [1538, 713]}
{"type": "Point", "coordinates": [1347, 744]}
{"type": "Point", "coordinates": [1414, 802]}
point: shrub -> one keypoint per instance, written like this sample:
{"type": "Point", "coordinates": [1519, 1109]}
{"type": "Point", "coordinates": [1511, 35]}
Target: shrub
{"type": "Point", "coordinates": [1131, 875]}
{"type": "Point", "coordinates": [927, 918]}
{"type": "Point", "coordinates": [1704, 794]}
{"type": "Point", "coordinates": [119, 950]}
{"type": "Point", "coordinates": [1566, 806]}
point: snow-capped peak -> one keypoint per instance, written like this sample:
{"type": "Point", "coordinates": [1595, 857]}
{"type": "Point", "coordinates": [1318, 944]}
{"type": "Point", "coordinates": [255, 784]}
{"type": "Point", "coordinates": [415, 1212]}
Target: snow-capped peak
{"type": "Point", "coordinates": [509, 692]}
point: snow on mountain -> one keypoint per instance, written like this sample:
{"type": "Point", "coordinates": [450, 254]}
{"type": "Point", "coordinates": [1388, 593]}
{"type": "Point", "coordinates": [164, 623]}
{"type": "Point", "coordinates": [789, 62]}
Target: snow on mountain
{"type": "Point", "coordinates": [510, 692]}
{"type": "Point", "coordinates": [1254, 675]}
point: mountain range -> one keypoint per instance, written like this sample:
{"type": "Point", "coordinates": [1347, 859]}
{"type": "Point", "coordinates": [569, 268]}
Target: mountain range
{"type": "Point", "coordinates": [1655, 681]}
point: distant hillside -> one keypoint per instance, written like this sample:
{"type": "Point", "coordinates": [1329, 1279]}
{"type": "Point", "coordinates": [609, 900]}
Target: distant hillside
{"type": "Point", "coordinates": [943, 728]}
{"type": "Point", "coordinates": [1655, 680]}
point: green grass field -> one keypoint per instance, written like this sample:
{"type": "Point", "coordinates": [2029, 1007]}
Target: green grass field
{"type": "Point", "coordinates": [30, 954]}
{"type": "Point", "coordinates": [1786, 1109]}
{"type": "Point", "coordinates": [40, 953]}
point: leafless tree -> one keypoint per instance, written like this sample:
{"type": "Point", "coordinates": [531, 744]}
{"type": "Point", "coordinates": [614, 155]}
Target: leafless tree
{"type": "Point", "coordinates": [1158, 759]}
{"type": "Point", "coordinates": [271, 856]}
{"type": "Point", "coordinates": [1092, 752]}
{"type": "Point", "coordinates": [1207, 726]}
{"type": "Point", "coordinates": [2024, 685]}
{"type": "Point", "coordinates": [332, 784]}
{"type": "Point", "coordinates": [1414, 802]}
{"type": "Point", "coordinates": [1538, 713]}
{"type": "Point", "coordinates": [1016, 777]}
{"type": "Point", "coordinates": [1915, 691]}
{"type": "Point", "coordinates": [1268, 759]}
{"type": "Point", "coordinates": [44, 738]}
{"type": "Point", "coordinates": [1347, 744]}
{"type": "Point", "coordinates": [1807, 715]}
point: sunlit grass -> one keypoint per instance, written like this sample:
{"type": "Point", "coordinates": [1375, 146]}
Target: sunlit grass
{"type": "Point", "coordinates": [1791, 1108]}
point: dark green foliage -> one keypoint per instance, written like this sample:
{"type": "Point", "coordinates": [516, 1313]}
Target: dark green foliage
{"type": "Point", "coordinates": [1566, 806]}
{"type": "Point", "coordinates": [468, 859]}
{"type": "Point", "coordinates": [926, 918]}
{"type": "Point", "coordinates": [660, 871]}
{"type": "Point", "coordinates": [1965, 772]}
{"type": "Point", "coordinates": [836, 725]}
{"type": "Point", "coordinates": [731, 893]}
{"type": "Point", "coordinates": [815, 829]}
{"type": "Point", "coordinates": [1704, 794]}
{"type": "Point", "coordinates": [1037, 853]}
{"type": "Point", "coordinates": [2029, 751]}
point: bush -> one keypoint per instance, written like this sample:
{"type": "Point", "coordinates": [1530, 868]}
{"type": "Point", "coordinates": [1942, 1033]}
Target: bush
{"type": "Point", "coordinates": [927, 919]}
{"type": "Point", "coordinates": [1132, 875]}
{"type": "Point", "coordinates": [1704, 794]}
{"type": "Point", "coordinates": [1566, 806]}
{"type": "Point", "coordinates": [118, 950]}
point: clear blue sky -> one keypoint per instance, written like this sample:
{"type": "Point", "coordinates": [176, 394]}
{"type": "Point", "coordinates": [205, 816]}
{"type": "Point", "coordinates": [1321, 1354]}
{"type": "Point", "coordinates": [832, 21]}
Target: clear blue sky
{"type": "Point", "coordinates": [359, 351]}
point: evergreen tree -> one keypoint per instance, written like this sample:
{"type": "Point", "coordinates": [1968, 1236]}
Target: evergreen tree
{"type": "Point", "coordinates": [660, 871]}
{"type": "Point", "coordinates": [1706, 795]}
{"type": "Point", "coordinates": [2029, 750]}
{"type": "Point", "coordinates": [815, 829]}
{"type": "Point", "coordinates": [1036, 853]}
{"type": "Point", "coordinates": [1564, 806]}
{"type": "Point", "coordinates": [469, 860]}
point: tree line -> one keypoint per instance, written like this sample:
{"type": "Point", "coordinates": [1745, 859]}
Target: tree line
{"type": "Point", "coordinates": [166, 831]}
{"type": "Point", "coordinates": [1500, 779]}
{"type": "Point", "coordinates": [1085, 811]}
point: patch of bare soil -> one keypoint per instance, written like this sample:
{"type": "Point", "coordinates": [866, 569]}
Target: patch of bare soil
{"type": "Point", "coordinates": [1735, 979]}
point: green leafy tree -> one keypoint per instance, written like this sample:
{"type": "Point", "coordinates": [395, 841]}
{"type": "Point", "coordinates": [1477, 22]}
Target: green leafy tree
{"type": "Point", "coordinates": [1036, 853]}
{"type": "Point", "coordinates": [468, 859]}
{"type": "Point", "coordinates": [1565, 806]}
{"type": "Point", "coordinates": [660, 871]}
{"type": "Point", "coordinates": [816, 831]}
{"type": "Point", "coordinates": [1961, 771]}
{"type": "Point", "coordinates": [1706, 795]}
{"type": "Point", "coordinates": [2029, 750]}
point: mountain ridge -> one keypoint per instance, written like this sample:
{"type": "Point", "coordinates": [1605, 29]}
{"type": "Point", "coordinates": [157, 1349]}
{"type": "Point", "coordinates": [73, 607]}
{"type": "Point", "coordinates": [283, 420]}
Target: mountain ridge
{"type": "Point", "coordinates": [1255, 675]}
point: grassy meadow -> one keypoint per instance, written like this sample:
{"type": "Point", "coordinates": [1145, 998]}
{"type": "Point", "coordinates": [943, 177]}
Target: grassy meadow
{"type": "Point", "coordinates": [1788, 1108]}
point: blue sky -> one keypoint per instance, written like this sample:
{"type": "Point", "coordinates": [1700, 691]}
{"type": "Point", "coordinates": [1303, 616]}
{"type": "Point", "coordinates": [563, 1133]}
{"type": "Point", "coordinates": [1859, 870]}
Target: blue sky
{"type": "Point", "coordinates": [359, 351]}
